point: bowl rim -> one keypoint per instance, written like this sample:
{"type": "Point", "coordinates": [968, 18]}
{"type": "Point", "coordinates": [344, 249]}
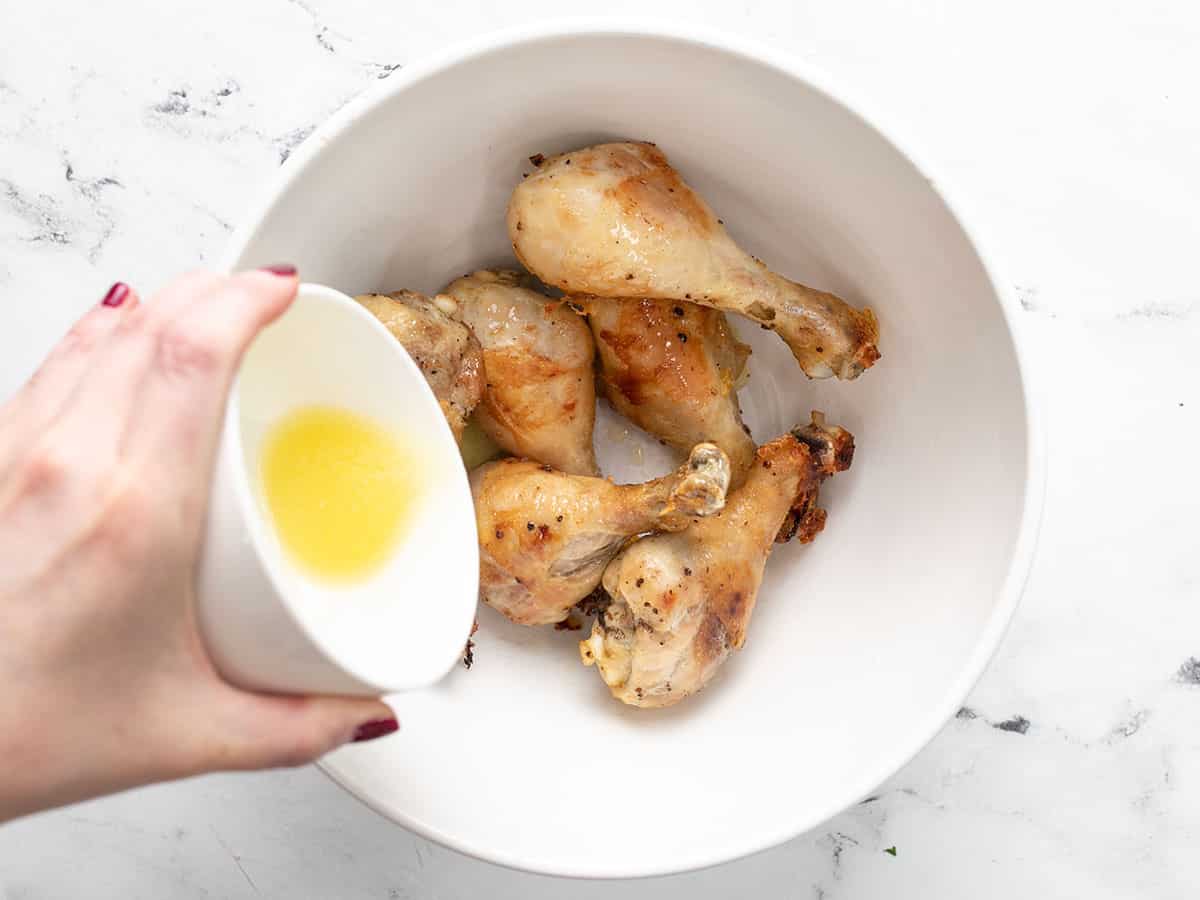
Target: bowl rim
{"type": "Point", "coordinates": [750, 50]}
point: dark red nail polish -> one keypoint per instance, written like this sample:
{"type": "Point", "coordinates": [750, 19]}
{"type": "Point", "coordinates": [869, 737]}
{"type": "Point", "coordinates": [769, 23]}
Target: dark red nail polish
{"type": "Point", "coordinates": [368, 731]}
{"type": "Point", "coordinates": [116, 294]}
{"type": "Point", "coordinates": [285, 269]}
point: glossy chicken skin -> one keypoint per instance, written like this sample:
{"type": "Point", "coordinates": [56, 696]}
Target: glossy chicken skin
{"type": "Point", "coordinates": [540, 399]}
{"type": "Point", "coordinates": [681, 602]}
{"type": "Point", "coordinates": [673, 369]}
{"type": "Point", "coordinates": [443, 348]}
{"type": "Point", "coordinates": [615, 220]}
{"type": "Point", "coordinates": [545, 537]}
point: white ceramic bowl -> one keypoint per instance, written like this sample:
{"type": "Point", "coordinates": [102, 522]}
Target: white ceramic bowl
{"type": "Point", "coordinates": [864, 643]}
{"type": "Point", "coordinates": [267, 624]}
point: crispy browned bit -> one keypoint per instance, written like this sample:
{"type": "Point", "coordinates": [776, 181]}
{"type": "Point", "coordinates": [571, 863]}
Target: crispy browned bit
{"type": "Point", "coordinates": [678, 310]}
{"type": "Point", "coordinates": [558, 518]}
{"type": "Point", "coordinates": [760, 310]}
{"type": "Point", "coordinates": [571, 623]}
{"type": "Point", "coordinates": [499, 534]}
{"type": "Point", "coordinates": [682, 337]}
{"type": "Point", "coordinates": [812, 523]}
{"type": "Point", "coordinates": [832, 447]}
{"type": "Point", "coordinates": [686, 571]}
{"type": "Point", "coordinates": [594, 603]}
{"type": "Point", "coordinates": [529, 526]}
{"type": "Point", "coordinates": [640, 582]}
{"type": "Point", "coordinates": [568, 161]}
{"type": "Point", "coordinates": [469, 653]}
{"type": "Point", "coordinates": [720, 221]}
{"type": "Point", "coordinates": [520, 226]}
{"type": "Point", "coordinates": [547, 468]}
{"type": "Point", "coordinates": [788, 529]}
{"type": "Point", "coordinates": [474, 628]}
{"type": "Point", "coordinates": [629, 277]}
{"type": "Point", "coordinates": [537, 159]}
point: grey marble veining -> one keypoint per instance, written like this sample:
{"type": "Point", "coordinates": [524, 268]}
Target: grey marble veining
{"type": "Point", "coordinates": [133, 137]}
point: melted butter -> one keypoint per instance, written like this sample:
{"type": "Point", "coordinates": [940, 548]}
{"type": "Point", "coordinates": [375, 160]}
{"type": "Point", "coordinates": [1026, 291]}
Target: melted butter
{"type": "Point", "coordinates": [339, 488]}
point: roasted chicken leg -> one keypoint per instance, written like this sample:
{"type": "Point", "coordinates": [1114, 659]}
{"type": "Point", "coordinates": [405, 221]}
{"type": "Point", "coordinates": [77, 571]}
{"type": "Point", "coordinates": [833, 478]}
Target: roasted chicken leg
{"type": "Point", "coordinates": [673, 368]}
{"type": "Point", "coordinates": [545, 537]}
{"type": "Point", "coordinates": [681, 602]}
{"type": "Point", "coordinates": [540, 400]}
{"type": "Point", "coordinates": [445, 350]}
{"type": "Point", "coordinates": [615, 220]}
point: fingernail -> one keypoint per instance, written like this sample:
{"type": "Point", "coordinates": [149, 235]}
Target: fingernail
{"type": "Point", "coordinates": [116, 294]}
{"type": "Point", "coordinates": [376, 728]}
{"type": "Point", "coordinates": [287, 270]}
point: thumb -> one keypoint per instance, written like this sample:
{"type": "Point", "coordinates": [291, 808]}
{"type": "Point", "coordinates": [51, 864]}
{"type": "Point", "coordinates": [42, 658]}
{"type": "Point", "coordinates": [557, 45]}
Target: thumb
{"type": "Point", "coordinates": [264, 730]}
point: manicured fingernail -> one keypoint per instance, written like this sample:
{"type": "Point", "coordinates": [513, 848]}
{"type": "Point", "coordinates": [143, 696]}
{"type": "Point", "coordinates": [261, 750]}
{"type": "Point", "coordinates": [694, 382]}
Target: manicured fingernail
{"type": "Point", "coordinates": [285, 269]}
{"type": "Point", "coordinates": [376, 728]}
{"type": "Point", "coordinates": [116, 294]}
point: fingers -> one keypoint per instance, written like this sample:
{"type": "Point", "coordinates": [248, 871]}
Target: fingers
{"type": "Point", "coordinates": [260, 731]}
{"type": "Point", "coordinates": [43, 397]}
{"type": "Point", "coordinates": [199, 349]}
{"type": "Point", "coordinates": [154, 390]}
{"type": "Point", "coordinates": [117, 376]}
{"type": "Point", "coordinates": [108, 388]}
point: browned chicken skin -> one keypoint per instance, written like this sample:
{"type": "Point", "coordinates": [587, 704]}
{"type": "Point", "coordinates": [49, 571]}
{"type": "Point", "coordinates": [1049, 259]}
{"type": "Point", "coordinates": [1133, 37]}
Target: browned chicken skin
{"type": "Point", "coordinates": [443, 348]}
{"type": "Point", "coordinates": [682, 601]}
{"type": "Point", "coordinates": [540, 401]}
{"type": "Point", "coordinates": [545, 537]}
{"type": "Point", "coordinates": [673, 368]}
{"type": "Point", "coordinates": [615, 220]}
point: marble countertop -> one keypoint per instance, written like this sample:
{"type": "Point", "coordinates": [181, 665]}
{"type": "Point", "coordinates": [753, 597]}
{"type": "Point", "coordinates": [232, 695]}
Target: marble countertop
{"type": "Point", "coordinates": [133, 135]}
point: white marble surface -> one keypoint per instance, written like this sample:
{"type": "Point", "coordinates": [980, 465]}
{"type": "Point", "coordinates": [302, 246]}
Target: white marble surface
{"type": "Point", "coordinates": [132, 134]}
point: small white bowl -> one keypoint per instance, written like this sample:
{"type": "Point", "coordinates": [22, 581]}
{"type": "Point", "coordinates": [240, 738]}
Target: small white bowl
{"type": "Point", "coordinates": [862, 644]}
{"type": "Point", "coordinates": [269, 625]}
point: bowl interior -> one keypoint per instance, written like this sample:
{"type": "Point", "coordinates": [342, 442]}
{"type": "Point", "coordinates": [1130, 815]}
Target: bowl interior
{"type": "Point", "coordinates": [864, 642]}
{"type": "Point", "coordinates": [328, 351]}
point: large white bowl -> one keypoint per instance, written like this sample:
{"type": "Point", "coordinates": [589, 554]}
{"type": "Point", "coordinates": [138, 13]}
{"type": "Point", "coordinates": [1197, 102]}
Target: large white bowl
{"type": "Point", "coordinates": [865, 642]}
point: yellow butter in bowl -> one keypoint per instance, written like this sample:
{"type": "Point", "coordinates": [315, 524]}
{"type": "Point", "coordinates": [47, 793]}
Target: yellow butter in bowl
{"type": "Point", "coordinates": [339, 488]}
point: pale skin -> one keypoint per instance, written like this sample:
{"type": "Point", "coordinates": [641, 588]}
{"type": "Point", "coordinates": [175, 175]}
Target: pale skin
{"type": "Point", "coordinates": [106, 455]}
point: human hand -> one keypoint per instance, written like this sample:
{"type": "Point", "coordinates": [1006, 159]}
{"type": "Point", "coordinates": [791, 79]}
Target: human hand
{"type": "Point", "coordinates": [106, 456]}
